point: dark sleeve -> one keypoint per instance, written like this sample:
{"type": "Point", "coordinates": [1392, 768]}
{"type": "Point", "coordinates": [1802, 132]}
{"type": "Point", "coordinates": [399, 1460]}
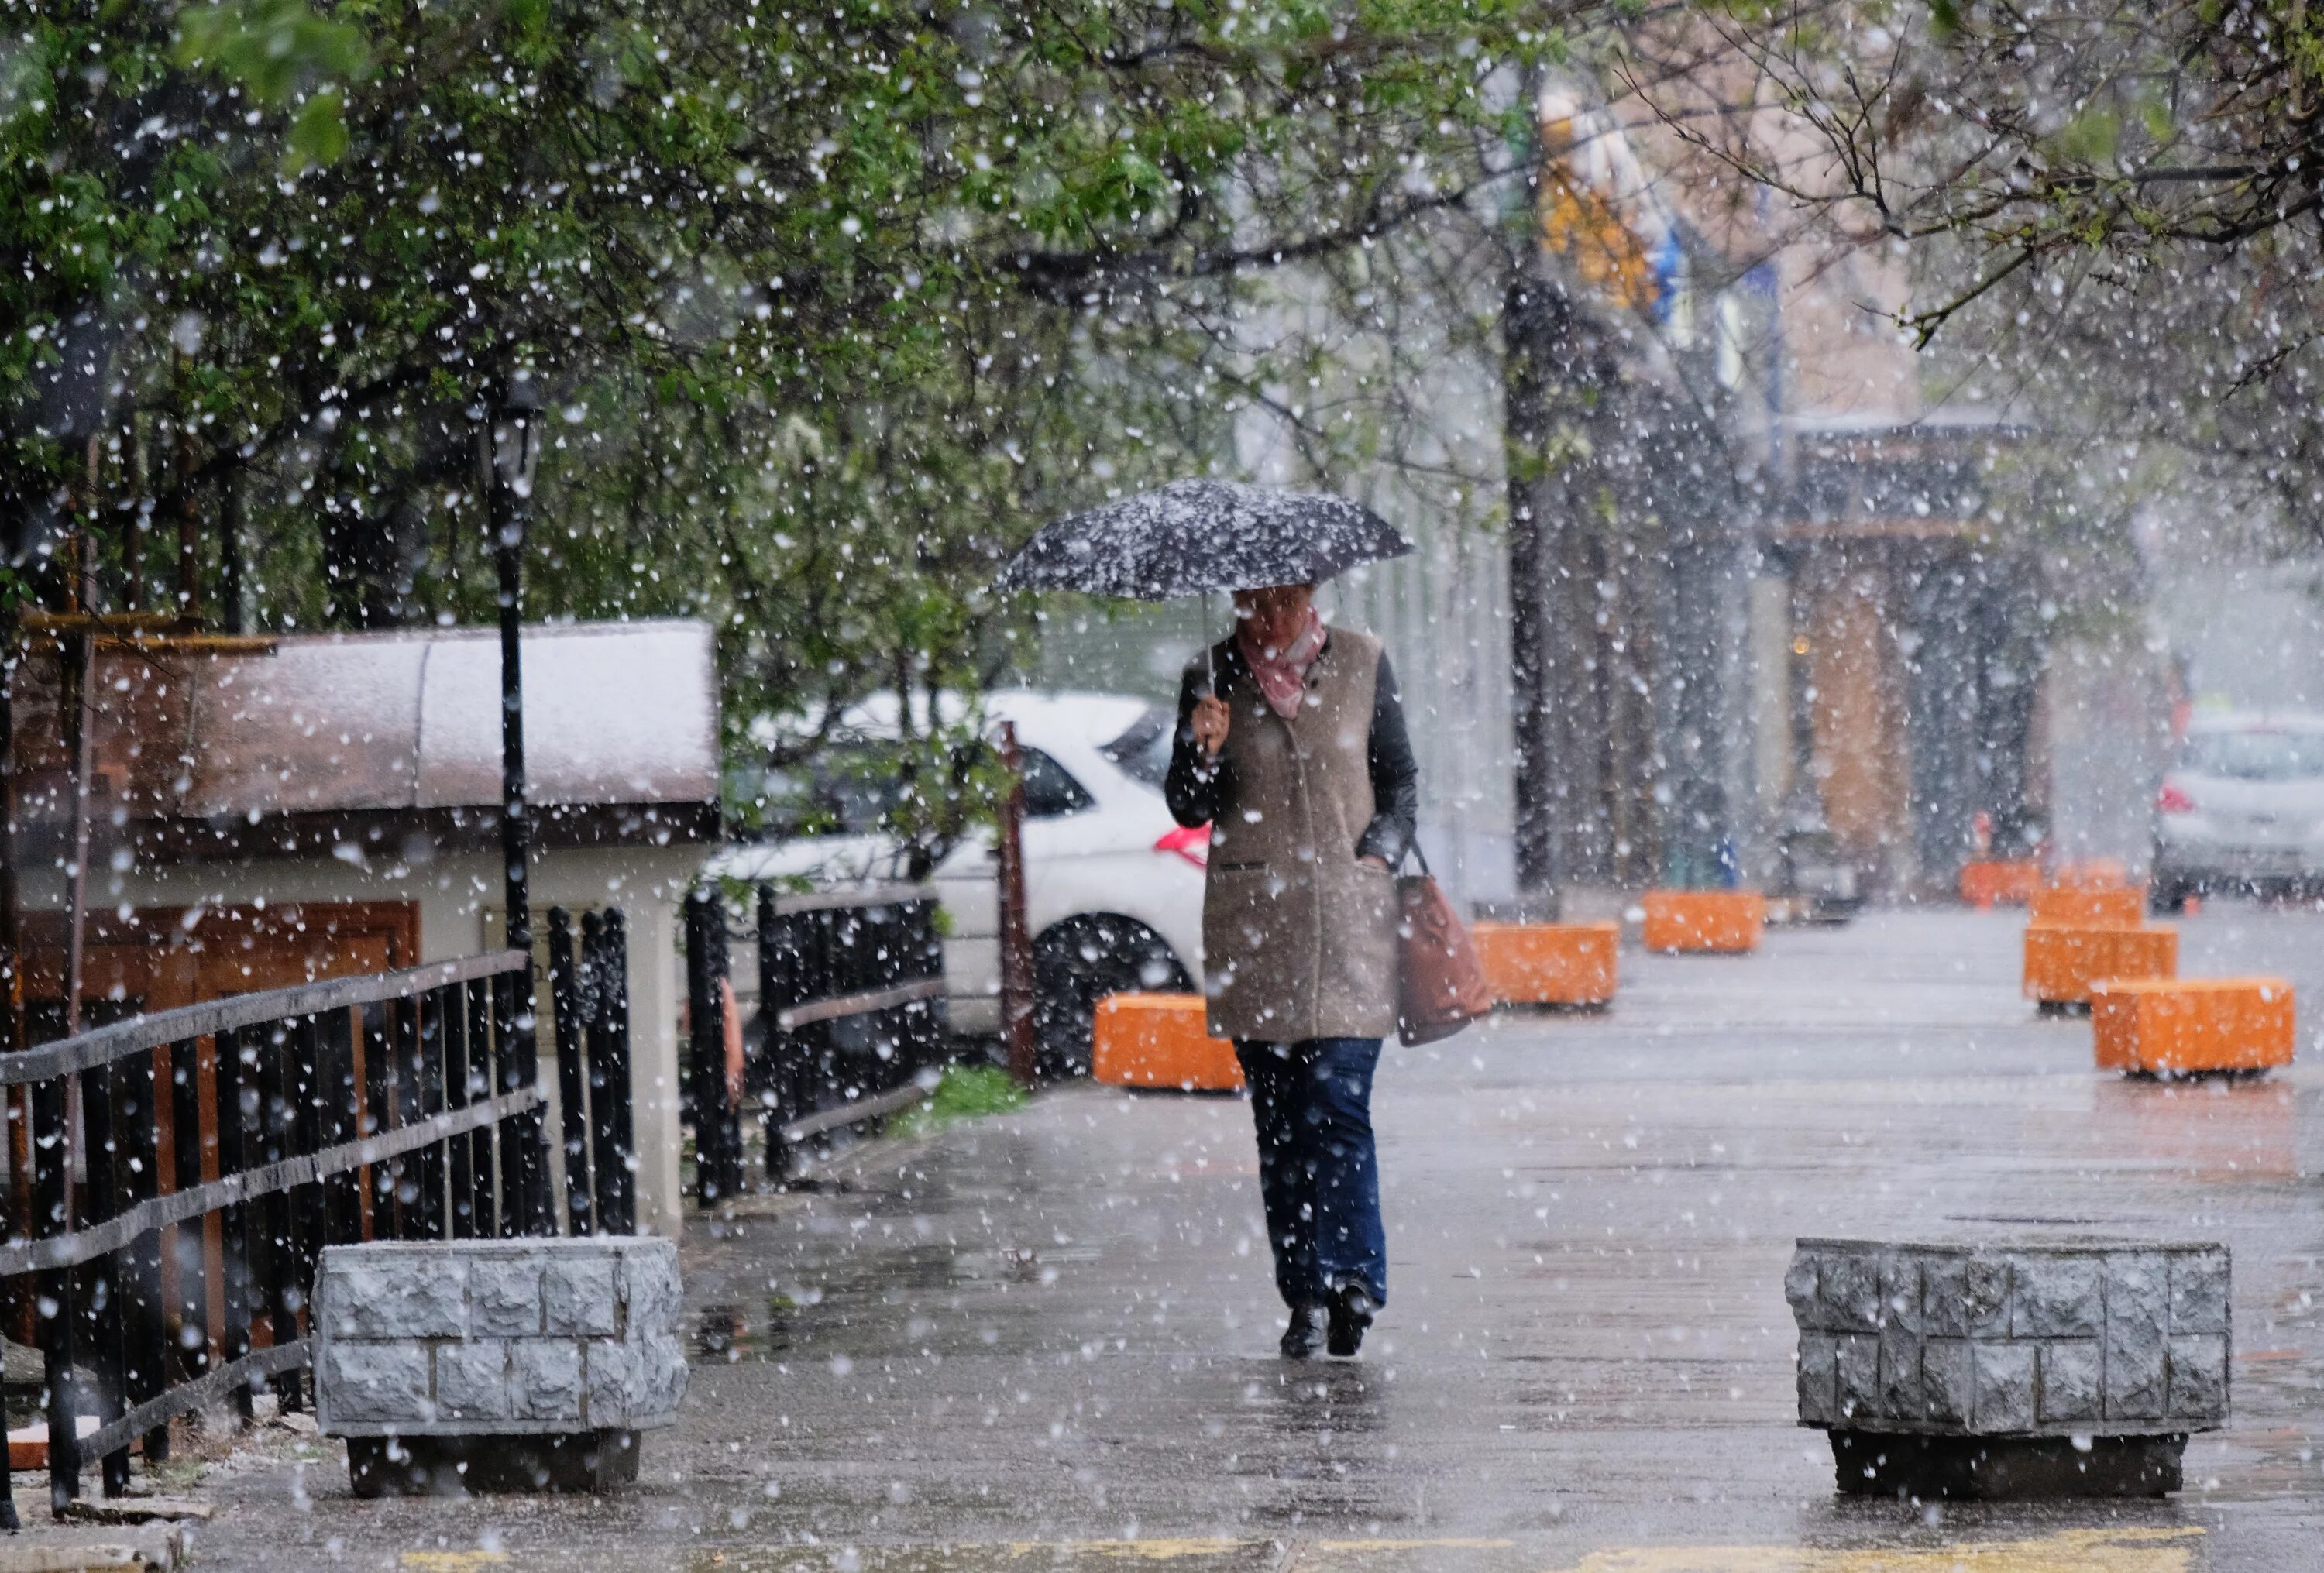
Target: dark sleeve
{"type": "Point", "coordinates": [1192, 787]}
{"type": "Point", "coordinates": [1395, 777]}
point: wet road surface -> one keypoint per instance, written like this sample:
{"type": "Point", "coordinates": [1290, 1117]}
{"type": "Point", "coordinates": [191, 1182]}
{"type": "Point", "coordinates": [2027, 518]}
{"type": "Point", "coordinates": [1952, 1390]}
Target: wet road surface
{"type": "Point", "coordinates": [1047, 1342]}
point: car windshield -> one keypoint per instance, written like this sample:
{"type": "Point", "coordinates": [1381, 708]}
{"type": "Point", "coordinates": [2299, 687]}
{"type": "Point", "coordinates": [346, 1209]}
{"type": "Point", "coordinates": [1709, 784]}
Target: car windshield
{"type": "Point", "coordinates": [1142, 753]}
{"type": "Point", "coordinates": [851, 789]}
{"type": "Point", "coordinates": [2256, 756]}
{"type": "Point", "coordinates": [1050, 790]}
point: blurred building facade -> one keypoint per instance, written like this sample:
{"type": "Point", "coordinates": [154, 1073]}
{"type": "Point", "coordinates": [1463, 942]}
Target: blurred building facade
{"type": "Point", "coordinates": [1785, 617]}
{"type": "Point", "coordinates": [1802, 640]}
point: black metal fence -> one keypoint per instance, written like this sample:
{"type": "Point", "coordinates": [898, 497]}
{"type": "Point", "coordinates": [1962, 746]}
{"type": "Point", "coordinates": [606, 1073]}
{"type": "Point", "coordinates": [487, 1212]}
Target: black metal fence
{"type": "Point", "coordinates": [590, 996]}
{"type": "Point", "coordinates": [850, 1020]}
{"type": "Point", "coordinates": [399, 1106]}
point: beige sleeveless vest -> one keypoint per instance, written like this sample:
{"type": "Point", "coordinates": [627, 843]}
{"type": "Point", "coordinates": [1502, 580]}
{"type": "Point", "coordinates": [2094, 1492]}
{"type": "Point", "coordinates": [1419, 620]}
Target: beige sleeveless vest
{"type": "Point", "coordinates": [1298, 937]}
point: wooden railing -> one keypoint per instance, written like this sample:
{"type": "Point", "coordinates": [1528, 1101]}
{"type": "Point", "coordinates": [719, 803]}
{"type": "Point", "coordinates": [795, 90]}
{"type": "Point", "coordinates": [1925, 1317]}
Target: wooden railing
{"type": "Point", "coordinates": [231, 1141]}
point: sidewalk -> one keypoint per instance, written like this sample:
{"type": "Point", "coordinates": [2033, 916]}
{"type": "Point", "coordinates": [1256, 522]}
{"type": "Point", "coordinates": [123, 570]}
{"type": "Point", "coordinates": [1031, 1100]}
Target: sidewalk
{"type": "Point", "coordinates": [1020, 1342]}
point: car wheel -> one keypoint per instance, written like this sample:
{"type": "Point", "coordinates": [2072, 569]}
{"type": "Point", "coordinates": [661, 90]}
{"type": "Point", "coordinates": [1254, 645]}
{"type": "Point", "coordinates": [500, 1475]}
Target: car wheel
{"type": "Point", "coordinates": [2168, 897]}
{"type": "Point", "coordinates": [1080, 962]}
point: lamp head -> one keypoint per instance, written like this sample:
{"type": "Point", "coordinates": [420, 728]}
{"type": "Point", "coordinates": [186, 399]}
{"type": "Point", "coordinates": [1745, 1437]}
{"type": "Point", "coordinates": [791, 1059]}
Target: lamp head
{"type": "Point", "coordinates": [516, 439]}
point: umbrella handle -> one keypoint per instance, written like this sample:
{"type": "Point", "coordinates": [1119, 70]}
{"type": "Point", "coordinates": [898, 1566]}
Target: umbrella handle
{"type": "Point", "coordinates": [1210, 648]}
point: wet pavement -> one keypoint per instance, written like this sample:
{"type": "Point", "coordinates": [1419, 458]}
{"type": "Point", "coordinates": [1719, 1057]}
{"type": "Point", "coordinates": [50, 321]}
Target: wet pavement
{"type": "Point", "coordinates": [1047, 1342]}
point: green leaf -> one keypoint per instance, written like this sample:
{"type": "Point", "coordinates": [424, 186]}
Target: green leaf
{"type": "Point", "coordinates": [319, 135]}
{"type": "Point", "coordinates": [2091, 136]}
{"type": "Point", "coordinates": [271, 47]}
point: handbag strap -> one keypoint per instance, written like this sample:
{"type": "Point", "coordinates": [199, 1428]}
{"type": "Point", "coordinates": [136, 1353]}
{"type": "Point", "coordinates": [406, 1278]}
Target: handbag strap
{"type": "Point", "coordinates": [1412, 851]}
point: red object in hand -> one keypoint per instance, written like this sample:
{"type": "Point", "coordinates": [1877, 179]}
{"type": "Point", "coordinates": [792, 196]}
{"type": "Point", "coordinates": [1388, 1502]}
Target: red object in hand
{"type": "Point", "coordinates": [1192, 842]}
{"type": "Point", "coordinates": [2171, 800]}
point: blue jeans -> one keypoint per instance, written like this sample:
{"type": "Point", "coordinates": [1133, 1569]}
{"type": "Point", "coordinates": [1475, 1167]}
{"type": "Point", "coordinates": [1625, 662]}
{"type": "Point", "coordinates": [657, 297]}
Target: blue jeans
{"type": "Point", "coordinates": [1318, 1174]}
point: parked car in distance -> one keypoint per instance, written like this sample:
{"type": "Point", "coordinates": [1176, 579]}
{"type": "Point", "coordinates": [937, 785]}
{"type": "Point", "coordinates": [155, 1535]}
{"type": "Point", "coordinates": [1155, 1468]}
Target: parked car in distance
{"type": "Point", "coordinates": [1113, 886]}
{"type": "Point", "coordinates": [2241, 809]}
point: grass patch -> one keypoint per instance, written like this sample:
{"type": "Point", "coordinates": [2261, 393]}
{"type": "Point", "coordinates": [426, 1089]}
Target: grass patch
{"type": "Point", "coordinates": [965, 1092]}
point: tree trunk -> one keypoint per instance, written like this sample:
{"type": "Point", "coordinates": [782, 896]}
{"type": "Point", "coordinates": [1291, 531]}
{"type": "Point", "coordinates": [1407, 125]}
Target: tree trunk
{"type": "Point", "coordinates": [1556, 378]}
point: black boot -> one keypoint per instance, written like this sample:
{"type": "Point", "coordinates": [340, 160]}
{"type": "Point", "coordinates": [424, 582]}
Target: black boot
{"type": "Point", "coordinates": [1305, 1335]}
{"type": "Point", "coordinates": [1351, 1314]}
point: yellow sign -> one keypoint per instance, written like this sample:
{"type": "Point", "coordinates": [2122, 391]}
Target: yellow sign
{"type": "Point", "coordinates": [1592, 200]}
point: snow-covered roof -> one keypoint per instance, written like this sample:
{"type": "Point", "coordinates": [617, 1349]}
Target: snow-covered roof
{"type": "Point", "coordinates": [615, 714]}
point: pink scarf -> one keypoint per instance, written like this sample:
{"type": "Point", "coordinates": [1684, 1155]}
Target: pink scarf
{"type": "Point", "coordinates": [1283, 673]}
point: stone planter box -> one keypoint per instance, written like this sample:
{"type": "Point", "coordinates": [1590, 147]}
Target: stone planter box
{"type": "Point", "coordinates": [1549, 963]}
{"type": "Point", "coordinates": [2192, 1027]}
{"type": "Point", "coordinates": [1721, 922]}
{"type": "Point", "coordinates": [2062, 960]}
{"type": "Point", "coordinates": [2070, 1369]}
{"type": "Point", "coordinates": [496, 1365]}
{"type": "Point", "coordinates": [1160, 1040]}
{"type": "Point", "coordinates": [2108, 907]}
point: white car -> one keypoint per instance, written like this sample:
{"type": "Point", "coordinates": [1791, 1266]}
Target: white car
{"type": "Point", "coordinates": [2241, 809]}
{"type": "Point", "coordinates": [1112, 884]}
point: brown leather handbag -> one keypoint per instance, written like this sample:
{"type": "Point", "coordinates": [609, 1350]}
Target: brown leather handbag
{"type": "Point", "coordinates": [1441, 984]}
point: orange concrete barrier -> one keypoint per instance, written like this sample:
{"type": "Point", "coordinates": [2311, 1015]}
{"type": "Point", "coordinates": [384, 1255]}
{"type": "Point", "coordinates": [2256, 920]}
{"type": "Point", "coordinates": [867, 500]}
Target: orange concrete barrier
{"type": "Point", "coordinates": [2092, 874]}
{"type": "Point", "coordinates": [1548, 964]}
{"type": "Point", "coordinates": [1723, 921]}
{"type": "Point", "coordinates": [28, 1445]}
{"type": "Point", "coordinates": [1160, 1040]}
{"type": "Point", "coordinates": [1994, 883]}
{"type": "Point", "coordinates": [2063, 961]}
{"type": "Point", "coordinates": [2090, 908]}
{"type": "Point", "coordinates": [2186, 1026]}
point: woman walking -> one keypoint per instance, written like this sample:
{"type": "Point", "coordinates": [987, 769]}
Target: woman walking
{"type": "Point", "coordinates": [1292, 746]}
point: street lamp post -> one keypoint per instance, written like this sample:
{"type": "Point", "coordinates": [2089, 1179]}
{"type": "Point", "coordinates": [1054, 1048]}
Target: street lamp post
{"type": "Point", "coordinates": [516, 455]}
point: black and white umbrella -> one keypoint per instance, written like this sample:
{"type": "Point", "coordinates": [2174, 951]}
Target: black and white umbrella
{"type": "Point", "coordinates": [1193, 536]}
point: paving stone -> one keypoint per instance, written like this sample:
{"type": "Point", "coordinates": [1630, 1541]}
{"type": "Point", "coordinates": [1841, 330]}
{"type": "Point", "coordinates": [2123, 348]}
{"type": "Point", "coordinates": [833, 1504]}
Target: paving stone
{"type": "Point", "coordinates": [371, 1382]}
{"type": "Point", "coordinates": [2055, 1297]}
{"type": "Point", "coordinates": [1986, 1289]}
{"type": "Point", "coordinates": [612, 1379]}
{"type": "Point", "coordinates": [652, 1291]}
{"type": "Point", "coordinates": [1900, 1293]}
{"type": "Point", "coordinates": [1948, 1391]}
{"type": "Point", "coordinates": [504, 1297]}
{"type": "Point", "coordinates": [404, 1300]}
{"type": "Point", "coordinates": [1900, 1374]}
{"type": "Point", "coordinates": [1819, 1377]}
{"type": "Point", "coordinates": [2002, 1375]}
{"type": "Point", "coordinates": [545, 1380]}
{"type": "Point", "coordinates": [1965, 1296]}
{"type": "Point", "coordinates": [2137, 1297]}
{"type": "Point", "coordinates": [472, 1381]}
{"type": "Point", "coordinates": [2198, 1378]}
{"type": "Point", "coordinates": [1800, 1290]}
{"type": "Point", "coordinates": [2199, 1292]}
{"type": "Point", "coordinates": [661, 1375]}
{"type": "Point", "coordinates": [1945, 1298]}
{"type": "Point", "coordinates": [2136, 1386]}
{"type": "Point", "coordinates": [1848, 1292]}
{"type": "Point", "coordinates": [1858, 1359]}
{"type": "Point", "coordinates": [579, 1299]}
{"type": "Point", "coordinates": [2073, 1381]}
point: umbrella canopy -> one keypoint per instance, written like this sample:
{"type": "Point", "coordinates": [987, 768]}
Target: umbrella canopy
{"type": "Point", "coordinates": [1191, 537]}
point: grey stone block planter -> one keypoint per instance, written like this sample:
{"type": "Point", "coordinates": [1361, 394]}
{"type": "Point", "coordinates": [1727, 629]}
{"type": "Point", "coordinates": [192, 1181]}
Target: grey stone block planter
{"type": "Point", "coordinates": [496, 1365]}
{"type": "Point", "coordinates": [2071, 1368]}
